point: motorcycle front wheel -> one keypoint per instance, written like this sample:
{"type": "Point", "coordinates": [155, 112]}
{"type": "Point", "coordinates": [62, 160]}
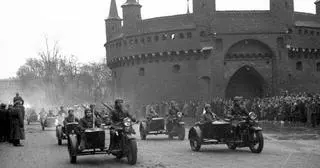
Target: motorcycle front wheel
{"type": "Point", "coordinates": [132, 151]}
{"type": "Point", "coordinates": [256, 145]}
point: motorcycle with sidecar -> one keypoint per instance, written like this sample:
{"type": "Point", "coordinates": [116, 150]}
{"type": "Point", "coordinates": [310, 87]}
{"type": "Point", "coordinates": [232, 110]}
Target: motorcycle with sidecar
{"type": "Point", "coordinates": [63, 131]}
{"type": "Point", "coordinates": [48, 122]}
{"type": "Point", "coordinates": [155, 126]}
{"type": "Point", "coordinates": [237, 132]}
{"type": "Point", "coordinates": [95, 142]}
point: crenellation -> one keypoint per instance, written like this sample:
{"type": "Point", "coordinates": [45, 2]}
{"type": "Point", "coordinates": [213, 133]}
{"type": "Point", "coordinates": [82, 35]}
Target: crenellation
{"type": "Point", "coordinates": [217, 44]}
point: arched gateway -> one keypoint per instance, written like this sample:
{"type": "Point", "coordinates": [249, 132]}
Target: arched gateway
{"type": "Point", "coordinates": [245, 59]}
{"type": "Point", "coordinates": [246, 82]}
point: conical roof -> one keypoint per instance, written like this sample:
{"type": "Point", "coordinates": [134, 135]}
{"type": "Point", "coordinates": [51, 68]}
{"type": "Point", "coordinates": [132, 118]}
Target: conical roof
{"type": "Point", "coordinates": [113, 12]}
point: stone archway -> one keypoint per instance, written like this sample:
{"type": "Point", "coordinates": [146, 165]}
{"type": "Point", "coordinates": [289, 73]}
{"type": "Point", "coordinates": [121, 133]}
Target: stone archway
{"type": "Point", "coordinates": [248, 63]}
{"type": "Point", "coordinates": [246, 82]}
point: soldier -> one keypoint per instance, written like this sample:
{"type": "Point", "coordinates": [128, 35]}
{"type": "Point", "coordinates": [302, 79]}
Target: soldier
{"type": "Point", "coordinates": [3, 121]}
{"type": "Point", "coordinates": [117, 115]}
{"type": "Point", "coordinates": [17, 118]}
{"type": "Point", "coordinates": [85, 123]}
{"type": "Point", "coordinates": [18, 98]}
{"type": "Point", "coordinates": [173, 110]}
{"type": "Point", "coordinates": [70, 118]}
{"type": "Point", "coordinates": [237, 109]}
{"type": "Point", "coordinates": [208, 116]}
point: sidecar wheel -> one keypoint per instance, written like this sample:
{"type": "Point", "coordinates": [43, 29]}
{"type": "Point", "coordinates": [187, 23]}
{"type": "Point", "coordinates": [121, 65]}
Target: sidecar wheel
{"type": "Point", "coordinates": [257, 144]}
{"type": "Point", "coordinates": [195, 144]}
{"type": "Point", "coordinates": [132, 152]}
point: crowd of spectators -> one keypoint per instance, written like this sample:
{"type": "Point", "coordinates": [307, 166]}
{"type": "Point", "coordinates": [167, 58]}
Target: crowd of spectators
{"type": "Point", "coordinates": [302, 107]}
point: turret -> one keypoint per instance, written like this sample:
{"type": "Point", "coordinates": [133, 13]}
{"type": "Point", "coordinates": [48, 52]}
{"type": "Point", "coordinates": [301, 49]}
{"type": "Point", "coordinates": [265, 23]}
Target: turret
{"type": "Point", "coordinates": [113, 22]}
{"type": "Point", "coordinates": [317, 3]}
{"type": "Point", "coordinates": [283, 11]}
{"type": "Point", "coordinates": [131, 15]}
{"type": "Point", "coordinates": [204, 7]}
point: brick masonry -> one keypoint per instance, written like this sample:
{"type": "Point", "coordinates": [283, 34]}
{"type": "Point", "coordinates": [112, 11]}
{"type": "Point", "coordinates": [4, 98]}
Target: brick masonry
{"type": "Point", "coordinates": [210, 47]}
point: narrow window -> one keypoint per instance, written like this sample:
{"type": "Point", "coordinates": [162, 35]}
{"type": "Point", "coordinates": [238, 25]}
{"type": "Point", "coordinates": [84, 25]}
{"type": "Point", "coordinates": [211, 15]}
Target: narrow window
{"type": "Point", "coordinates": [176, 68]}
{"type": "Point", "coordinates": [181, 35]}
{"type": "Point", "coordinates": [299, 66]}
{"type": "Point", "coordinates": [141, 72]}
{"type": "Point", "coordinates": [156, 38]}
{"type": "Point", "coordinates": [164, 37]}
{"type": "Point", "coordinates": [189, 35]}
{"type": "Point", "coordinates": [318, 67]}
{"type": "Point", "coordinates": [142, 40]}
{"type": "Point", "coordinates": [149, 39]}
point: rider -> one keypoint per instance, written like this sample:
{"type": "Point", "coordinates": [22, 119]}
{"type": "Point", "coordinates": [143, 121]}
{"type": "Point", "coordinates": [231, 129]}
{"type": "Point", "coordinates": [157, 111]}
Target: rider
{"type": "Point", "coordinates": [237, 109]}
{"type": "Point", "coordinates": [236, 112]}
{"type": "Point", "coordinates": [87, 122]}
{"type": "Point", "coordinates": [208, 116]}
{"type": "Point", "coordinates": [152, 113]}
{"type": "Point", "coordinates": [117, 115]}
{"type": "Point", "coordinates": [70, 118]}
{"type": "Point", "coordinates": [62, 111]}
{"type": "Point", "coordinates": [173, 110]}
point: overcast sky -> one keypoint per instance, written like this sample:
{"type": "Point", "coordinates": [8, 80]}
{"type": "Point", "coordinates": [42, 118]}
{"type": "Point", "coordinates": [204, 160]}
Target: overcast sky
{"type": "Point", "coordinates": [78, 25]}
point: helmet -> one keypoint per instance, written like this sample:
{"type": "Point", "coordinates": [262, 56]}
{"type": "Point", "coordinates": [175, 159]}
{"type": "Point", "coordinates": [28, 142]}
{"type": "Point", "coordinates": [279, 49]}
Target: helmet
{"type": "Point", "coordinates": [118, 101]}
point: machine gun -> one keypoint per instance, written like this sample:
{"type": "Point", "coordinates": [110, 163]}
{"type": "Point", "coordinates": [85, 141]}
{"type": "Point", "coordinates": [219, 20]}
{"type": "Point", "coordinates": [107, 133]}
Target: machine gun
{"type": "Point", "coordinates": [107, 106]}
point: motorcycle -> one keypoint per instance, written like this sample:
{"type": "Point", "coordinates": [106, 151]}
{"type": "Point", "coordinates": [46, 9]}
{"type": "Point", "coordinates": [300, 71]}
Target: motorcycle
{"type": "Point", "coordinates": [175, 126]}
{"type": "Point", "coordinates": [237, 132]}
{"type": "Point", "coordinates": [95, 142]}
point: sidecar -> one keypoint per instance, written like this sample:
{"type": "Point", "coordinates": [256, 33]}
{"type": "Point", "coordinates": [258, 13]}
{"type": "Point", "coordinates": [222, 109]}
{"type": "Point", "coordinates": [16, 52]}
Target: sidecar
{"type": "Point", "coordinates": [94, 143]}
{"type": "Point", "coordinates": [217, 132]}
{"type": "Point", "coordinates": [158, 125]}
{"type": "Point", "coordinates": [237, 133]}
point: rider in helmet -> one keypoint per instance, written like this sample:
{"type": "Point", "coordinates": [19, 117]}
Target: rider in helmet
{"type": "Point", "coordinates": [237, 109]}
{"type": "Point", "coordinates": [70, 118]}
{"type": "Point", "coordinates": [117, 116]}
{"type": "Point", "coordinates": [85, 123]}
{"type": "Point", "coordinates": [208, 116]}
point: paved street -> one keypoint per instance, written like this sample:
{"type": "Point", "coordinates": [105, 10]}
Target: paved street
{"type": "Point", "coordinates": [41, 150]}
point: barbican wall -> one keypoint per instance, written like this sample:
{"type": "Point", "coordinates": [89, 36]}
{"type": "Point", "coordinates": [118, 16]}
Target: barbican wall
{"type": "Point", "coordinates": [183, 57]}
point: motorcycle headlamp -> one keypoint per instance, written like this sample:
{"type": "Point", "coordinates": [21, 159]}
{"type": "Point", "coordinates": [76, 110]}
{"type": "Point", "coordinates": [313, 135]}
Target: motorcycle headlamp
{"type": "Point", "coordinates": [179, 114]}
{"type": "Point", "coordinates": [127, 122]}
{"type": "Point", "coordinates": [252, 115]}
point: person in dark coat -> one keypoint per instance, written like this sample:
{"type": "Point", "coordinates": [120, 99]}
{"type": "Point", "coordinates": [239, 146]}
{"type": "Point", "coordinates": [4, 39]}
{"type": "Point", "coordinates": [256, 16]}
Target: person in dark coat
{"type": "Point", "coordinates": [3, 121]}
{"type": "Point", "coordinates": [18, 98]}
{"type": "Point", "coordinates": [17, 124]}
